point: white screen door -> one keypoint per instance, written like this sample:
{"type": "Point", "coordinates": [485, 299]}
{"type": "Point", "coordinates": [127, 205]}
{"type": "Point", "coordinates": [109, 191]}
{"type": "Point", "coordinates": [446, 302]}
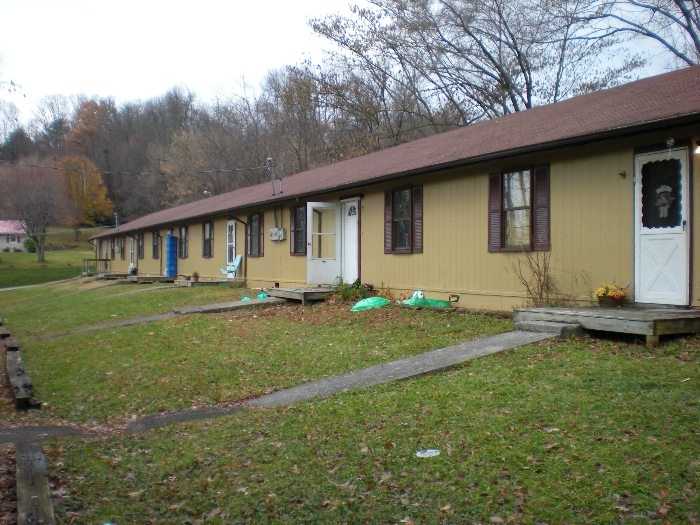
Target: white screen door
{"type": "Point", "coordinates": [322, 243]}
{"type": "Point", "coordinates": [350, 240]}
{"type": "Point", "coordinates": [662, 224]}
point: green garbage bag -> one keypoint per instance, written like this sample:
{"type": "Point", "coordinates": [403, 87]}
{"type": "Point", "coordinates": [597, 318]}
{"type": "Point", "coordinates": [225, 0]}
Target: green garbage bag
{"type": "Point", "coordinates": [370, 303]}
{"type": "Point", "coordinates": [419, 300]}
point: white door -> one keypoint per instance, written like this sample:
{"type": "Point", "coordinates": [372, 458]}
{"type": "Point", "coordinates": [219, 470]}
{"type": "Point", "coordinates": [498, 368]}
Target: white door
{"type": "Point", "coordinates": [230, 246]}
{"type": "Point", "coordinates": [322, 243]}
{"type": "Point", "coordinates": [350, 240]}
{"type": "Point", "coordinates": [662, 224]}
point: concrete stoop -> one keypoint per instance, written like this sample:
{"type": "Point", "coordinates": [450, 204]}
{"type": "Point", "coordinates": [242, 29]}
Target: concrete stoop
{"type": "Point", "coordinates": [550, 327]}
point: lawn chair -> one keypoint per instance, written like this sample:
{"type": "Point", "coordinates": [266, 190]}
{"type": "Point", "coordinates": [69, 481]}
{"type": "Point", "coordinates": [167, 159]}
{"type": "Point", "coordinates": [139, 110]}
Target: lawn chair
{"type": "Point", "coordinates": [231, 269]}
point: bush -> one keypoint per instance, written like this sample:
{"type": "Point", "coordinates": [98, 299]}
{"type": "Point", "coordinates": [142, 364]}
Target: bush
{"type": "Point", "coordinates": [354, 291]}
{"type": "Point", "coordinates": [30, 245]}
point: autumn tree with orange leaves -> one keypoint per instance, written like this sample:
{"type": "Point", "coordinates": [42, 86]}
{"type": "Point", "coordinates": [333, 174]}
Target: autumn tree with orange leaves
{"type": "Point", "coordinates": [87, 189]}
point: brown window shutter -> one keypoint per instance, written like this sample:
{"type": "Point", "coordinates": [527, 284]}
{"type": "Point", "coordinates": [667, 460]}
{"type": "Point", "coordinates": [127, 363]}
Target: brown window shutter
{"type": "Point", "coordinates": [261, 245]}
{"type": "Point", "coordinates": [540, 209]}
{"type": "Point", "coordinates": [388, 245]}
{"type": "Point", "coordinates": [417, 219]}
{"type": "Point", "coordinates": [248, 234]}
{"type": "Point", "coordinates": [495, 213]}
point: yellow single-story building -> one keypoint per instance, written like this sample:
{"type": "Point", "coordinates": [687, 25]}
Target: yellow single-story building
{"type": "Point", "coordinates": [599, 187]}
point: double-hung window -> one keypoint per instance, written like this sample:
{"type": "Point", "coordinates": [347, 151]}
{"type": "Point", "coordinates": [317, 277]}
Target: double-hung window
{"type": "Point", "coordinates": [207, 240]}
{"type": "Point", "coordinates": [255, 235]}
{"type": "Point", "coordinates": [403, 220]}
{"type": "Point", "coordinates": [297, 241]}
{"type": "Point", "coordinates": [183, 244]}
{"type": "Point", "coordinates": [519, 210]}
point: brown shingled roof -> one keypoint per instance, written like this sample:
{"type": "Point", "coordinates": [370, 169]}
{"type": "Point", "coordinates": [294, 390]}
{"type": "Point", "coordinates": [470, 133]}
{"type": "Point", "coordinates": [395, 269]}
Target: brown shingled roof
{"type": "Point", "coordinates": [669, 98]}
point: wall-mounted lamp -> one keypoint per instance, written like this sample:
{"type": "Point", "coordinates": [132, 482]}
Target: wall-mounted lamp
{"type": "Point", "coordinates": [697, 149]}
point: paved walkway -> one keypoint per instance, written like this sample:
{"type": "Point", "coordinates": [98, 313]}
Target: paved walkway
{"type": "Point", "coordinates": [429, 362]}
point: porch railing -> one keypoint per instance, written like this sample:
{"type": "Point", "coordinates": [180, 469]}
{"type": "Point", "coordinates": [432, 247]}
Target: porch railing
{"type": "Point", "coordinates": [96, 266]}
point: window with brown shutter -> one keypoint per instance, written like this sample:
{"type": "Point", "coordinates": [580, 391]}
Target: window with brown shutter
{"type": "Point", "coordinates": [518, 210]}
{"type": "Point", "coordinates": [403, 220]}
{"type": "Point", "coordinates": [207, 240]}
{"type": "Point", "coordinates": [255, 235]}
{"type": "Point", "coordinates": [297, 241]}
{"type": "Point", "coordinates": [183, 243]}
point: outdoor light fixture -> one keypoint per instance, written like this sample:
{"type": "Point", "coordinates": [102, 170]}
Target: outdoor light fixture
{"type": "Point", "coordinates": [697, 149]}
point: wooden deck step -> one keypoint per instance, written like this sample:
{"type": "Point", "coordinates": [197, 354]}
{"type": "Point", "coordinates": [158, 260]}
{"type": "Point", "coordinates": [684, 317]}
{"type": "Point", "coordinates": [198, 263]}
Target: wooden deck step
{"type": "Point", "coordinates": [652, 323]}
{"type": "Point", "coordinates": [550, 327]}
{"type": "Point", "coordinates": [301, 294]}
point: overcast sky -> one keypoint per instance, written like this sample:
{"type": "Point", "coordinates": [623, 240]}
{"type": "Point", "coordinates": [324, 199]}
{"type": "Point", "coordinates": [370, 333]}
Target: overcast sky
{"type": "Point", "coordinates": [134, 50]}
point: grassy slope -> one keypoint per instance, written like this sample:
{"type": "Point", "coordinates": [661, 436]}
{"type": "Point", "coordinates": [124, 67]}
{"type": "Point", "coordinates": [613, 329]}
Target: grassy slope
{"type": "Point", "coordinates": [21, 269]}
{"type": "Point", "coordinates": [563, 432]}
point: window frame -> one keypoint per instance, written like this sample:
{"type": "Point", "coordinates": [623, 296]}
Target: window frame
{"type": "Point", "coordinates": [183, 242]}
{"type": "Point", "coordinates": [155, 245]}
{"type": "Point", "coordinates": [207, 240]}
{"type": "Point", "coordinates": [140, 246]}
{"type": "Point", "coordinates": [415, 244]}
{"type": "Point", "coordinates": [539, 206]}
{"type": "Point", "coordinates": [297, 232]}
{"type": "Point", "coordinates": [259, 236]}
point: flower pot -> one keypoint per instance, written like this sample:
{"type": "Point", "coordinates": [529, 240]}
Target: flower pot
{"type": "Point", "coordinates": [609, 302]}
{"type": "Point", "coordinates": [195, 278]}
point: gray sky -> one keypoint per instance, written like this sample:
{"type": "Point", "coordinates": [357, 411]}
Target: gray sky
{"type": "Point", "coordinates": [138, 49]}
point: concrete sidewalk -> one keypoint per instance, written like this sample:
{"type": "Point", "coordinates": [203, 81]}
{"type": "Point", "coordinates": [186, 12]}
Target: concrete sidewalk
{"type": "Point", "coordinates": [430, 362]}
{"type": "Point", "coordinates": [417, 365]}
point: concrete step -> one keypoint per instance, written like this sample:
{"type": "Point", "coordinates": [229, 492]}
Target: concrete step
{"type": "Point", "coordinates": [550, 327]}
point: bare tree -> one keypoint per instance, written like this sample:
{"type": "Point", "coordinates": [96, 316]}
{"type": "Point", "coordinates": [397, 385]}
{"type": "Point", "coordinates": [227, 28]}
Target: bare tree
{"type": "Point", "coordinates": [51, 125]}
{"type": "Point", "coordinates": [476, 58]}
{"type": "Point", "coordinates": [9, 120]}
{"type": "Point", "coordinates": [39, 199]}
{"type": "Point", "coordinates": [674, 25]}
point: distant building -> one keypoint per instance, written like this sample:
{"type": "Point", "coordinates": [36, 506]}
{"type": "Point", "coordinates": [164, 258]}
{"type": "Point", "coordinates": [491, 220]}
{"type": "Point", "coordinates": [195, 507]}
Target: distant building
{"type": "Point", "coordinates": [11, 236]}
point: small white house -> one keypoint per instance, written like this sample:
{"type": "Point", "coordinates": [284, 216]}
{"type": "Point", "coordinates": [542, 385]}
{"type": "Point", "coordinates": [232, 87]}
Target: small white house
{"type": "Point", "coordinates": [12, 236]}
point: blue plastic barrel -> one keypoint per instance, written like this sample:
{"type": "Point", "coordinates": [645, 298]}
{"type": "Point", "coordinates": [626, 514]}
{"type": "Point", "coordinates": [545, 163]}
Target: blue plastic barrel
{"type": "Point", "coordinates": [171, 256]}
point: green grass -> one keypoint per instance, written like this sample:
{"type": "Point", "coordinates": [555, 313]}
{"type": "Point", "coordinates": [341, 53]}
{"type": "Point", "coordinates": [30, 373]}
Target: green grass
{"type": "Point", "coordinates": [557, 433]}
{"type": "Point", "coordinates": [57, 308]}
{"type": "Point", "coordinates": [578, 431]}
{"type": "Point", "coordinates": [22, 269]}
{"type": "Point", "coordinates": [111, 375]}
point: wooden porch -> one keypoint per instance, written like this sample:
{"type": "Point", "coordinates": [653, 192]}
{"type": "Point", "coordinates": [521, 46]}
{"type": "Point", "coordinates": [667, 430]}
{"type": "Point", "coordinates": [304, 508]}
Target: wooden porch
{"type": "Point", "coordinates": [301, 294]}
{"type": "Point", "coordinates": [649, 321]}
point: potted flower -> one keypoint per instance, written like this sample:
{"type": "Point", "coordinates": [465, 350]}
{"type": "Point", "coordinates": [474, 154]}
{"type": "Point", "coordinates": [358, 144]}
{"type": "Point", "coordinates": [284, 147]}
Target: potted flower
{"type": "Point", "coordinates": [195, 277]}
{"type": "Point", "coordinates": [610, 294]}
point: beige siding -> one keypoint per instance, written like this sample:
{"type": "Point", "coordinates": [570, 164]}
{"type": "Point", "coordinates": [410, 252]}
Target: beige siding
{"type": "Point", "coordinates": [277, 266]}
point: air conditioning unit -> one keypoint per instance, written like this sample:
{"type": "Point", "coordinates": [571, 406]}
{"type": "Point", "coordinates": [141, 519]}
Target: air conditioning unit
{"type": "Point", "coordinates": [278, 234]}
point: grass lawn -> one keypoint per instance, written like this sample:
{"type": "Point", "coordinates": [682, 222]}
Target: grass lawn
{"type": "Point", "coordinates": [576, 431]}
{"type": "Point", "coordinates": [21, 268]}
